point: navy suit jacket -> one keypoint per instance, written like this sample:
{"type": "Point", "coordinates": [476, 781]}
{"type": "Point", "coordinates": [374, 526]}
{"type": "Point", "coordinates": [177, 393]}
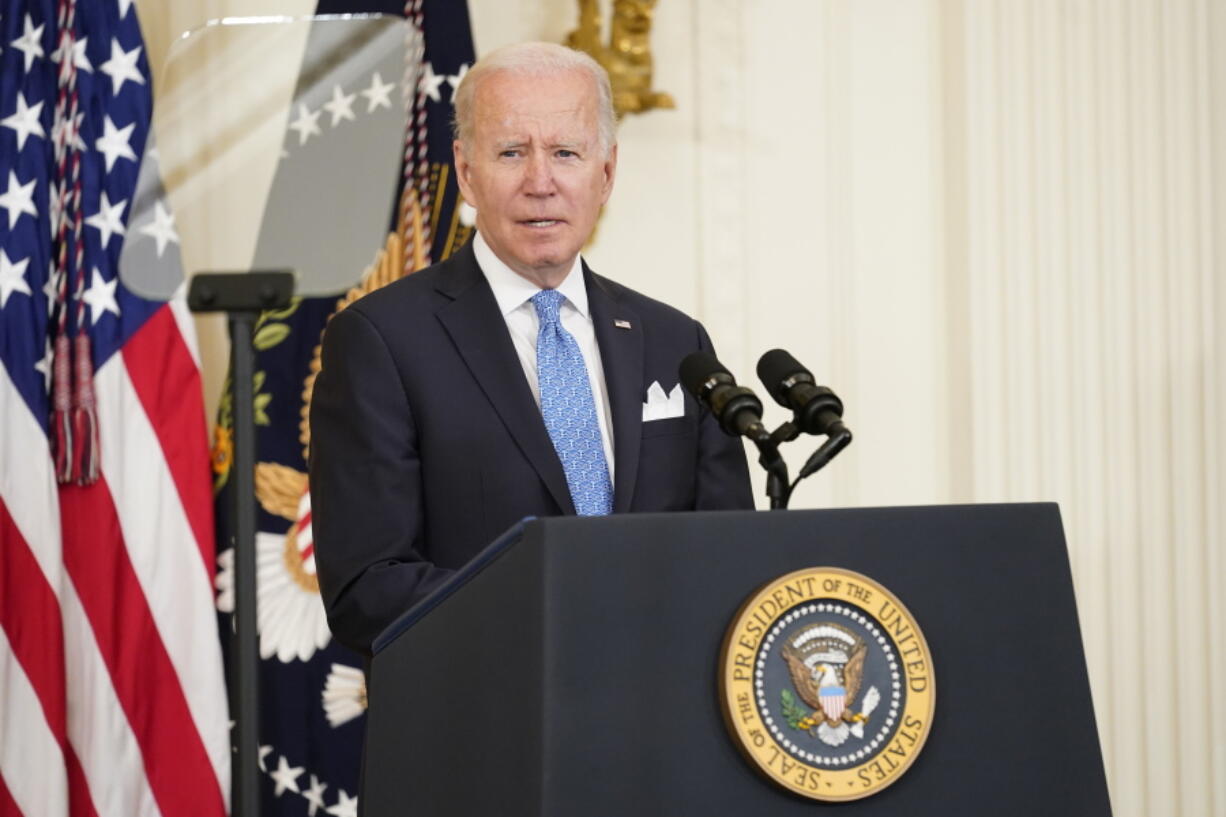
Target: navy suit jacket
{"type": "Point", "coordinates": [426, 442]}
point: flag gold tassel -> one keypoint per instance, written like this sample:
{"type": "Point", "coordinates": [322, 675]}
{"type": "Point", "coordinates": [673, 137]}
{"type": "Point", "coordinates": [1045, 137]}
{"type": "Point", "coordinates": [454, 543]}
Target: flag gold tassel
{"type": "Point", "coordinates": [61, 409]}
{"type": "Point", "coordinates": [84, 415]}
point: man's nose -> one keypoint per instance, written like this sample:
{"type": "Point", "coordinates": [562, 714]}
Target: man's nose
{"type": "Point", "coordinates": [538, 179]}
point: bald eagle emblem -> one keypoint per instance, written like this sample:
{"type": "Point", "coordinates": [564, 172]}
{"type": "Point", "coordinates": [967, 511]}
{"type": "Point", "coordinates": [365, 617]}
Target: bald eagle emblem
{"type": "Point", "coordinates": [826, 662]}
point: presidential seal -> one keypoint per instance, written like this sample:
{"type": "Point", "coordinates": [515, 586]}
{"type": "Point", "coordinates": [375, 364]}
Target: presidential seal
{"type": "Point", "coordinates": [827, 684]}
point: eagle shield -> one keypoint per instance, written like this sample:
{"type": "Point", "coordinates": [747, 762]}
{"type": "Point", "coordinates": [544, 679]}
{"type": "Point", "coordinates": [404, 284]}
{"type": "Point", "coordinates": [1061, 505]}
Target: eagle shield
{"type": "Point", "coordinates": [833, 700]}
{"type": "Point", "coordinates": [826, 662]}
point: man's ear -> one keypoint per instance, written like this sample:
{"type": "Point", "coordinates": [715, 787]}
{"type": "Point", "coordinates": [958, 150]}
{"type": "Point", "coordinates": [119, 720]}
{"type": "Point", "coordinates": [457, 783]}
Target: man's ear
{"type": "Point", "coordinates": [610, 172]}
{"type": "Point", "coordinates": [462, 169]}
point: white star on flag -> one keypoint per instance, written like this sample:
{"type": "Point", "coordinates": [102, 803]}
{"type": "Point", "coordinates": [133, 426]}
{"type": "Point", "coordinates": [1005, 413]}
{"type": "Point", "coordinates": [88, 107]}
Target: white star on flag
{"type": "Point", "coordinates": [161, 228]}
{"type": "Point", "coordinates": [430, 82]}
{"type": "Point", "coordinates": [346, 806]}
{"type": "Point", "coordinates": [79, 59]}
{"type": "Point", "coordinates": [30, 42]}
{"type": "Point", "coordinates": [115, 142]}
{"type": "Point", "coordinates": [43, 366]}
{"type": "Point", "coordinates": [124, 5]}
{"type": "Point", "coordinates": [340, 106]}
{"type": "Point", "coordinates": [285, 777]}
{"type": "Point", "coordinates": [265, 751]}
{"type": "Point", "coordinates": [18, 199]}
{"type": "Point", "coordinates": [454, 80]}
{"type": "Point", "coordinates": [101, 297]}
{"type": "Point", "coordinates": [108, 220]}
{"type": "Point", "coordinates": [121, 67]}
{"type": "Point", "coordinates": [25, 120]}
{"type": "Point", "coordinates": [379, 94]}
{"type": "Point", "coordinates": [315, 796]}
{"type": "Point", "coordinates": [12, 277]}
{"type": "Point", "coordinates": [307, 124]}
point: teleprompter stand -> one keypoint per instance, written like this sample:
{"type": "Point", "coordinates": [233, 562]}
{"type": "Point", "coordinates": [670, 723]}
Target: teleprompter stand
{"type": "Point", "coordinates": [572, 667]}
{"type": "Point", "coordinates": [242, 296]}
{"type": "Point", "coordinates": [324, 213]}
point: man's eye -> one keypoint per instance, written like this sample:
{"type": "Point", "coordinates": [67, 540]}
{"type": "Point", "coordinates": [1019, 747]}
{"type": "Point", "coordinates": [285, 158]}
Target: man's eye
{"type": "Point", "coordinates": [510, 153]}
{"type": "Point", "coordinates": [566, 154]}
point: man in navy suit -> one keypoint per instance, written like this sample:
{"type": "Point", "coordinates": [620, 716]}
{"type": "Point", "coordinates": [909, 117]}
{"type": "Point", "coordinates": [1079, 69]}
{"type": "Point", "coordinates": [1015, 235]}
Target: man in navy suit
{"type": "Point", "coordinates": [509, 380]}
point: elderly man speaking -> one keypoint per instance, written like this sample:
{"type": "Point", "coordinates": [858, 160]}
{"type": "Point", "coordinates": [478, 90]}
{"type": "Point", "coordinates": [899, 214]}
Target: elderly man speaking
{"type": "Point", "coordinates": [509, 380]}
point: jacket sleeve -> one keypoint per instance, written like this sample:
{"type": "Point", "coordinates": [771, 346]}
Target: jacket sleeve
{"type": "Point", "coordinates": [722, 474]}
{"type": "Point", "coordinates": [365, 482]}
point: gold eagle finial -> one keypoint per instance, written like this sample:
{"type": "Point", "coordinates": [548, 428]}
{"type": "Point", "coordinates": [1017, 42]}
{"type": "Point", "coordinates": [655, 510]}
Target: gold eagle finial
{"type": "Point", "coordinates": [627, 56]}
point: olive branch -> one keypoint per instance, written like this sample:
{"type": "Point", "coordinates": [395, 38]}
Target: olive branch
{"type": "Point", "coordinates": [793, 712]}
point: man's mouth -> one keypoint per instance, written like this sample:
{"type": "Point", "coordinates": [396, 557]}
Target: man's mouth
{"type": "Point", "coordinates": [540, 223]}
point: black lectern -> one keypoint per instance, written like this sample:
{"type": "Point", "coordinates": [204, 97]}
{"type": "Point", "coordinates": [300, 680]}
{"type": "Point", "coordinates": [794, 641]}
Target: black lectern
{"type": "Point", "coordinates": [572, 668]}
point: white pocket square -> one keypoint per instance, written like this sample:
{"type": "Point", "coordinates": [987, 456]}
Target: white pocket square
{"type": "Point", "coordinates": [661, 406]}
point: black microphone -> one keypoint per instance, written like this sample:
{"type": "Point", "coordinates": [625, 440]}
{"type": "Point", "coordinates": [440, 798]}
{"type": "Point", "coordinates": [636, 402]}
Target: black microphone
{"type": "Point", "coordinates": [737, 409]}
{"type": "Point", "coordinates": [817, 410]}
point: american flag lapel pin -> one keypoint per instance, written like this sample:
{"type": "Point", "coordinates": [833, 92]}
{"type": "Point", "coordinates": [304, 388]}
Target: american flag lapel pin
{"type": "Point", "coordinates": [621, 323]}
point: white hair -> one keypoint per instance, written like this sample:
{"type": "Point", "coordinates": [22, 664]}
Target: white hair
{"type": "Point", "coordinates": [534, 59]}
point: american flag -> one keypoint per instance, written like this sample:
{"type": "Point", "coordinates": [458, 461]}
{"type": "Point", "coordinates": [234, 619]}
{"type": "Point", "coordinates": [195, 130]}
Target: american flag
{"type": "Point", "coordinates": [112, 699]}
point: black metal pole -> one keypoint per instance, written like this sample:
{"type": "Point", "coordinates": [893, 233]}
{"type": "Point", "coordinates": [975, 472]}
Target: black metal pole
{"type": "Point", "coordinates": [244, 655]}
{"type": "Point", "coordinates": [242, 296]}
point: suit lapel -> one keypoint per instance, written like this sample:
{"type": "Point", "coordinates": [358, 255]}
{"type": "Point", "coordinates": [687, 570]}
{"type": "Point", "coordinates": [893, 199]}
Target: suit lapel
{"type": "Point", "coordinates": [479, 332]}
{"type": "Point", "coordinates": [621, 354]}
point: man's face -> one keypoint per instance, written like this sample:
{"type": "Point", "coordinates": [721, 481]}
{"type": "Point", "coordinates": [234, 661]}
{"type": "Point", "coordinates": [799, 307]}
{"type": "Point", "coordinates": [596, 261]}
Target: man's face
{"type": "Point", "coordinates": [535, 170]}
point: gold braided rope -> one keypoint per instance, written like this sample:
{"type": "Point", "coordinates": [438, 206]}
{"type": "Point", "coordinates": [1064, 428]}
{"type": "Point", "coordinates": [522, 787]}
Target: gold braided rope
{"type": "Point", "coordinates": [388, 266]}
{"type": "Point", "coordinates": [279, 488]}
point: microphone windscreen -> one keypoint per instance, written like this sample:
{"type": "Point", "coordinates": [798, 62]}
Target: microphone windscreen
{"type": "Point", "coordinates": [697, 368]}
{"type": "Point", "coordinates": [774, 367]}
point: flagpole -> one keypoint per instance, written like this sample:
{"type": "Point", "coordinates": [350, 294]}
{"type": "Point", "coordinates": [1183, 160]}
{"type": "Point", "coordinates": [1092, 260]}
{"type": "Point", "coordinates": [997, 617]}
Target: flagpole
{"type": "Point", "coordinates": [243, 296]}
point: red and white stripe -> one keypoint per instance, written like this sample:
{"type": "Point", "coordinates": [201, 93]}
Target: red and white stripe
{"type": "Point", "coordinates": [112, 700]}
{"type": "Point", "coordinates": [304, 533]}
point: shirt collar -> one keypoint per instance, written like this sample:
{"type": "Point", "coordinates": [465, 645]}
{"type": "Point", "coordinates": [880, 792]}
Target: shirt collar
{"type": "Point", "coordinates": [512, 290]}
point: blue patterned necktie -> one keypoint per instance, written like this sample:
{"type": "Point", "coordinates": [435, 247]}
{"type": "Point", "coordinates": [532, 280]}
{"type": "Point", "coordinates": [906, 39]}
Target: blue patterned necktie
{"type": "Point", "coordinates": [569, 410]}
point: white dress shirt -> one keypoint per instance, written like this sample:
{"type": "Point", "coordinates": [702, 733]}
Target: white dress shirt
{"type": "Point", "coordinates": [513, 293]}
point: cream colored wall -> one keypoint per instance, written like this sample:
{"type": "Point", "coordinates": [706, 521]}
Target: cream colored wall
{"type": "Point", "coordinates": [996, 229]}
